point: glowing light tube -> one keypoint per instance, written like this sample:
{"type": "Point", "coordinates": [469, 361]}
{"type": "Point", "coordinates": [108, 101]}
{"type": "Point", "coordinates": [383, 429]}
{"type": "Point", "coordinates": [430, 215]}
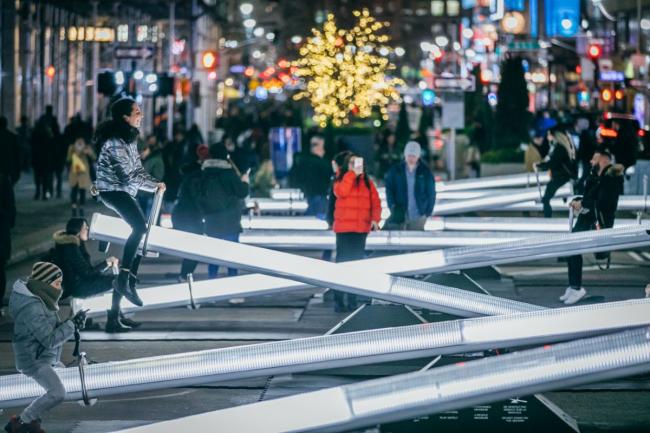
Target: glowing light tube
{"type": "Point", "coordinates": [338, 350]}
{"type": "Point", "coordinates": [507, 224]}
{"type": "Point", "coordinates": [481, 202]}
{"type": "Point", "coordinates": [492, 202]}
{"type": "Point", "coordinates": [507, 181]}
{"type": "Point", "coordinates": [441, 389]}
{"type": "Point", "coordinates": [382, 240]}
{"type": "Point", "coordinates": [311, 271]}
{"type": "Point", "coordinates": [547, 246]}
{"type": "Point", "coordinates": [632, 203]}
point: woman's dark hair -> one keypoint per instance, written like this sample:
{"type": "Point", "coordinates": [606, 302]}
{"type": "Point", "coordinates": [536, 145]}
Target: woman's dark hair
{"type": "Point", "coordinates": [339, 158]}
{"type": "Point", "coordinates": [122, 107]}
{"type": "Point", "coordinates": [74, 225]}
{"type": "Point", "coordinates": [344, 169]}
{"type": "Point", "coordinates": [117, 127]}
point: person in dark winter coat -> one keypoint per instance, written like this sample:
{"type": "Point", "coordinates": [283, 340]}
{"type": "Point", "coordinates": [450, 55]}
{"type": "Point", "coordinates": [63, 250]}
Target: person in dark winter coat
{"type": "Point", "coordinates": [45, 139]}
{"type": "Point", "coordinates": [410, 191]}
{"type": "Point", "coordinates": [59, 152]}
{"type": "Point", "coordinates": [11, 161]}
{"type": "Point", "coordinates": [7, 222]}
{"type": "Point", "coordinates": [312, 175]}
{"type": "Point", "coordinates": [596, 209]}
{"type": "Point", "coordinates": [173, 154]}
{"type": "Point", "coordinates": [221, 193]}
{"type": "Point", "coordinates": [83, 279]}
{"type": "Point", "coordinates": [187, 214]}
{"type": "Point", "coordinates": [357, 212]}
{"type": "Point", "coordinates": [561, 164]}
{"type": "Point", "coordinates": [38, 340]}
{"type": "Point", "coordinates": [119, 177]}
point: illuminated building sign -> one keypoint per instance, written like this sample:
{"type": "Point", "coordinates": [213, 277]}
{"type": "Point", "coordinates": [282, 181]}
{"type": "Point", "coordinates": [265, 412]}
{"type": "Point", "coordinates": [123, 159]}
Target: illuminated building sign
{"type": "Point", "coordinates": [87, 34]}
{"type": "Point", "coordinates": [562, 17]}
{"type": "Point", "coordinates": [617, 76]}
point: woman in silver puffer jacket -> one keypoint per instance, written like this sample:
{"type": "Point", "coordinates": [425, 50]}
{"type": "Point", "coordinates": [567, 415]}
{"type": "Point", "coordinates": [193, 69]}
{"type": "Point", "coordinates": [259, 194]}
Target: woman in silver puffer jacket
{"type": "Point", "coordinates": [119, 177]}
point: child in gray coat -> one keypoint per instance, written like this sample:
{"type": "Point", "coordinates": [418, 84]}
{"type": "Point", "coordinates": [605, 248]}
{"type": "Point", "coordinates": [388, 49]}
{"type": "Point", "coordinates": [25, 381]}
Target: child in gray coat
{"type": "Point", "coordinates": [38, 340]}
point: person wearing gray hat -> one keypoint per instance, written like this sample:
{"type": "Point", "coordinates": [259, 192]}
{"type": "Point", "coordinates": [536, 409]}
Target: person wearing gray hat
{"type": "Point", "coordinates": [410, 191]}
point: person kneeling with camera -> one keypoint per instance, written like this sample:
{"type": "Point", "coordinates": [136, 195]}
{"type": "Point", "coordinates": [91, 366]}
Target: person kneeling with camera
{"type": "Point", "coordinates": [38, 340]}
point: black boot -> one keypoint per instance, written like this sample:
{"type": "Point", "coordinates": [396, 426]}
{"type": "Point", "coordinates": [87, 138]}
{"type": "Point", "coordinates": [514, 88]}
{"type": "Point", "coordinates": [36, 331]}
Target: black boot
{"type": "Point", "coordinates": [121, 285]}
{"type": "Point", "coordinates": [128, 322]}
{"type": "Point", "coordinates": [15, 425]}
{"type": "Point", "coordinates": [113, 323]}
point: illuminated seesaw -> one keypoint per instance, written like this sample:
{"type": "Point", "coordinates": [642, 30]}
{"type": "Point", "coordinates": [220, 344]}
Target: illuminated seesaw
{"type": "Point", "coordinates": [626, 203]}
{"type": "Point", "coordinates": [290, 274]}
{"type": "Point", "coordinates": [448, 223]}
{"type": "Point", "coordinates": [452, 387]}
{"type": "Point", "coordinates": [489, 202]}
{"type": "Point", "coordinates": [521, 180]}
{"type": "Point", "coordinates": [335, 350]}
{"type": "Point", "coordinates": [381, 241]}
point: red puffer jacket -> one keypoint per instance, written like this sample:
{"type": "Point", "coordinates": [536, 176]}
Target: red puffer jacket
{"type": "Point", "coordinates": [356, 206]}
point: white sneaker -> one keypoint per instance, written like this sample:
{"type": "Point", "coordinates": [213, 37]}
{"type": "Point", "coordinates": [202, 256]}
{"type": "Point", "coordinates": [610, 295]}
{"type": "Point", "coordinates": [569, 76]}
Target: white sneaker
{"type": "Point", "coordinates": [575, 296]}
{"type": "Point", "coordinates": [567, 292]}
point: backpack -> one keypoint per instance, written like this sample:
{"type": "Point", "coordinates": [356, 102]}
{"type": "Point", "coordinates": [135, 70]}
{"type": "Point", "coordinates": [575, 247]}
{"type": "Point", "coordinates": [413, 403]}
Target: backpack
{"type": "Point", "coordinates": [210, 194]}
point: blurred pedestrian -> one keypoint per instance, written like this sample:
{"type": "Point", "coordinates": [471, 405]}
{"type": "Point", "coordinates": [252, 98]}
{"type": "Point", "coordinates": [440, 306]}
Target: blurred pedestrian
{"type": "Point", "coordinates": [173, 154]}
{"type": "Point", "coordinates": [154, 164]}
{"type": "Point", "coordinates": [585, 148]}
{"type": "Point", "coordinates": [561, 164]}
{"type": "Point", "coordinates": [194, 140]}
{"type": "Point", "coordinates": [626, 143]}
{"type": "Point", "coordinates": [59, 153]}
{"type": "Point", "coordinates": [313, 175]}
{"type": "Point", "coordinates": [45, 141]}
{"type": "Point", "coordinates": [221, 193]}
{"type": "Point", "coordinates": [38, 340]}
{"type": "Point", "coordinates": [80, 158]}
{"type": "Point", "coordinates": [388, 153]}
{"type": "Point", "coordinates": [596, 209]}
{"type": "Point", "coordinates": [533, 153]}
{"type": "Point", "coordinates": [410, 191]}
{"type": "Point", "coordinates": [10, 162]}
{"type": "Point", "coordinates": [24, 133]}
{"type": "Point", "coordinates": [357, 212]}
{"type": "Point", "coordinates": [119, 177]}
{"type": "Point", "coordinates": [473, 161]}
{"type": "Point", "coordinates": [7, 222]}
{"type": "Point", "coordinates": [187, 215]}
{"type": "Point", "coordinates": [81, 278]}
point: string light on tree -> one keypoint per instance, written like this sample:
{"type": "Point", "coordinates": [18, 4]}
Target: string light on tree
{"type": "Point", "coordinates": [345, 70]}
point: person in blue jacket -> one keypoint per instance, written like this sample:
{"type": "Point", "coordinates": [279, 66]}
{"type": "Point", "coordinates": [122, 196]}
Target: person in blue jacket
{"type": "Point", "coordinates": [410, 191]}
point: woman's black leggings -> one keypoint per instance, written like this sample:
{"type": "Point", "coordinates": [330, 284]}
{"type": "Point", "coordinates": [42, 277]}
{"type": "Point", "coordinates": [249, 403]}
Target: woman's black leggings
{"type": "Point", "coordinates": [129, 210]}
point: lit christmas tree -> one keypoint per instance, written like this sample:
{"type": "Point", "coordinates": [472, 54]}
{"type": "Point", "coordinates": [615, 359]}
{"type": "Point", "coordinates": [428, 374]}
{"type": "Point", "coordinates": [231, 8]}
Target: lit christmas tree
{"type": "Point", "coordinates": [345, 70]}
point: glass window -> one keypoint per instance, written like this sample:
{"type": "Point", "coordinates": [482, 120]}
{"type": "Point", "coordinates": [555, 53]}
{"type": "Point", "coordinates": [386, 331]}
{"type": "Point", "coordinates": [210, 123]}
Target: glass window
{"type": "Point", "coordinates": [453, 8]}
{"type": "Point", "coordinates": [437, 8]}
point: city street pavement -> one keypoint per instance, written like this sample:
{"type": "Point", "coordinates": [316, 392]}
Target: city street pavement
{"type": "Point", "coordinates": [621, 406]}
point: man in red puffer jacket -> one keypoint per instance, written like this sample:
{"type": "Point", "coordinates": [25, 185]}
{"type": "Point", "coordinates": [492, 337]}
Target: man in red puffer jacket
{"type": "Point", "coordinates": [357, 211]}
